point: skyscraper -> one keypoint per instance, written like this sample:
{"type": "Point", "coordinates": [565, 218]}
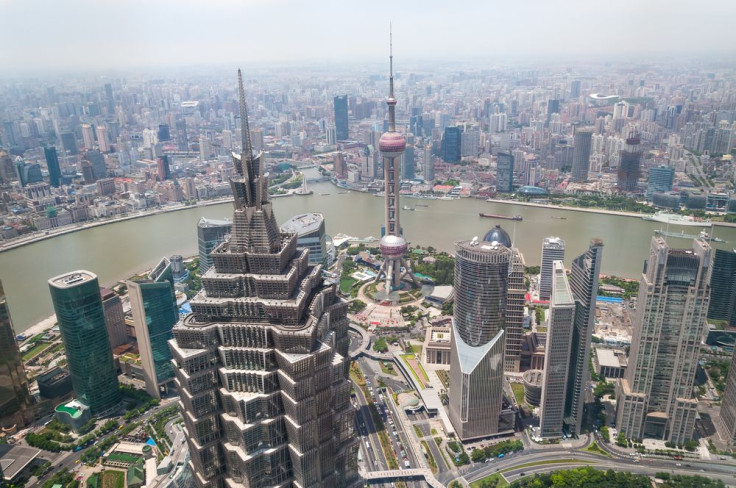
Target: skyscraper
{"type": "Point", "coordinates": [341, 118]}
{"type": "Point", "coordinates": [393, 245]}
{"type": "Point", "coordinates": [581, 154]}
{"type": "Point", "coordinates": [153, 304]}
{"type": "Point", "coordinates": [15, 401]}
{"type": "Point", "coordinates": [162, 166]}
{"type": "Point", "coordinates": [210, 233]}
{"type": "Point", "coordinates": [584, 286]}
{"type": "Point", "coordinates": [408, 166]}
{"type": "Point", "coordinates": [78, 306]}
{"type": "Point", "coordinates": [88, 136]}
{"type": "Point", "coordinates": [452, 144]}
{"type": "Point", "coordinates": [727, 414]}
{"type": "Point", "coordinates": [262, 361]}
{"type": "Point", "coordinates": [655, 398]}
{"type": "Point", "coordinates": [117, 330]}
{"type": "Point", "coordinates": [723, 287]}
{"type": "Point", "coordinates": [102, 138]}
{"type": "Point", "coordinates": [515, 301]}
{"type": "Point", "coordinates": [69, 143]}
{"type": "Point", "coordinates": [505, 172]}
{"type": "Point", "coordinates": [553, 249]}
{"type": "Point", "coordinates": [52, 163]}
{"type": "Point", "coordinates": [428, 169]}
{"type": "Point", "coordinates": [629, 166]}
{"type": "Point", "coordinates": [478, 338]}
{"type": "Point", "coordinates": [557, 353]}
{"type": "Point", "coordinates": [661, 179]}
{"type": "Point", "coordinates": [99, 169]}
{"type": "Point", "coordinates": [310, 231]}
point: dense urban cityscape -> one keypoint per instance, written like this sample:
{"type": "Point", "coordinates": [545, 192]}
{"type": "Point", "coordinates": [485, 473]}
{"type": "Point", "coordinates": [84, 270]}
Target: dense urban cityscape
{"type": "Point", "coordinates": [443, 274]}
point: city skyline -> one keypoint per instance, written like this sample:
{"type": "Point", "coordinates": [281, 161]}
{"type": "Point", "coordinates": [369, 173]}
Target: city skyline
{"type": "Point", "coordinates": [549, 30]}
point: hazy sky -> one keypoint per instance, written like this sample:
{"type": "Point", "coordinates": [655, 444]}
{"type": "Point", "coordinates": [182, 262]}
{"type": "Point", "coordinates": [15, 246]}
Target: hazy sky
{"type": "Point", "coordinates": [136, 33]}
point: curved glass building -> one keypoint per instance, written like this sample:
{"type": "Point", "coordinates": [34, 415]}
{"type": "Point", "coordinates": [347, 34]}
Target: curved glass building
{"type": "Point", "coordinates": [78, 305]}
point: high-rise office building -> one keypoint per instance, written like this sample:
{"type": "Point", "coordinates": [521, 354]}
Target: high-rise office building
{"type": "Point", "coordinates": [28, 173]}
{"type": "Point", "coordinates": [553, 249]}
{"type": "Point", "coordinates": [262, 361]}
{"type": "Point", "coordinates": [655, 398]}
{"type": "Point", "coordinates": [557, 353]}
{"type": "Point", "coordinates": [584, 284]}
{"type": "Point", "coordinates": [164, 134]}
{"type": "Point", "coordinates": [69, 143]}
{"type": "Point", "coordinates": [15, 401]}
{"type": "Point", "coordinates": [575, 89]}
{"type": "Point", "coordinates": [88, 136]}
{"type": "Point", "coordinates": [581, 154]}
{"type": "Point", "coordinates": [428, 169]}
{"type": "Point", "coordinates": [727, 414]}
{"type": "Point", "coordinates": [182, 141]}
{"type": "Point", "coordinates": [723, 287]}
{"type": "Point", "coordinates": [341, 118]}
{"type": "Point", "coordinates": [515, 302]}
{"type": "Point", "coordinates": [78, 305]}
{"type": "Point", "coordinates": [478, 337]}
{"type": "Point", "coordinates": [109, 99]}
{"type": "Point", "coordinates": [505, 172]}
{"type": "Point", "coordinates": [155, 313]}
{"type": "Point", "coordinates": [393, 245]}
{"type": "Point", "coordinates": [102, 142]}
{"type": "Point", "coordinates": [163, 168]}
{"type": "Point", "coordinates": [408, 165]}
{"type": "Point", "coordinates": [52, 163]}
{"type": "Point", "coordinates": [112, 305]}
{"type": "Point", "coordinates": [99, 169]}
{"type": "Point", "coordinates": [210, 233]}
{"type": "Point", "coordinates": [452, 144]}
{"type": "Point", "coordinates": [7, 168]}
{"type": "Point", "coordinates": [661, 179]}
{"type": "Point", "coordinates": [629, 167]}
{"type": "Point", "coordinates": [310, 231]}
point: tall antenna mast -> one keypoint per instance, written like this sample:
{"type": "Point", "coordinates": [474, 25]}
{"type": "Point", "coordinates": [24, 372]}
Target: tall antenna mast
{"type": "Point", "coordinates": [391, 100]}
{"type": "Point", "coordinates": [244, 129]}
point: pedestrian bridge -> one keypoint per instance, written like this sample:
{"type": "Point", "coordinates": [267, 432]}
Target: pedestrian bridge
{"type": "Point", "coordinates": [402, 474]}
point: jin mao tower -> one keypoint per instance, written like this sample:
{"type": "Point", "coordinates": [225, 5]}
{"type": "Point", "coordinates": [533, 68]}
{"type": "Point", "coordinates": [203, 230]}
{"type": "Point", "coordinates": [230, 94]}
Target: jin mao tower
{"type": "Point", "coordinates": [262, 360]}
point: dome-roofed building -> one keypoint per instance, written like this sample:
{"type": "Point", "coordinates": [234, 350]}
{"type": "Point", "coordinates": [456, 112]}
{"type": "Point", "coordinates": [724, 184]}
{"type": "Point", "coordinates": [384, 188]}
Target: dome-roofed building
{"type": "Point", "coordinates": [497, 234]}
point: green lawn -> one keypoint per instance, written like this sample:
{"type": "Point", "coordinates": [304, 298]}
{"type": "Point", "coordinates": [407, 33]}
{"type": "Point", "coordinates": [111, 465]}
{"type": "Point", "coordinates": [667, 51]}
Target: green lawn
{"type": "Point", "coordinates": [489, 480]}
{"type": "Point", "coordinates": [595, 449]}
{"type": "Point", "coordinates": [430, 458]}
{"type": "Point", "coordinates": [35, 350]}
{"type": "Point", "coordinates": [422, 382]}
{"type": "Point", "coordinates": [113, 479]}
{"type": "Point", "coordinates": [346, 282]}
{"type": "Point", "coordinates": [518, 390]}
{"type": "Point", "coordinates": [542, 463]}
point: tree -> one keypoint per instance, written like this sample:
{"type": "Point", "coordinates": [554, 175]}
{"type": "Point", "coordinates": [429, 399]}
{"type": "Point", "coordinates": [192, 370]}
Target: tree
{"type": "Point", "coordinates": [621, 440]}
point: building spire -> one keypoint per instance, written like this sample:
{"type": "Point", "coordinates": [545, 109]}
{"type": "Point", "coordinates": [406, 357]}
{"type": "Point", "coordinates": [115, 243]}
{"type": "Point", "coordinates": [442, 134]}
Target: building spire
{"type": "Point", "coordinates": [391, 102]}
{"type": "Point", "coordinates": [247, 146]}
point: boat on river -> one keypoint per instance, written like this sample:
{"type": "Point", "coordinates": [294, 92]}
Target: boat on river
{"type": "Point", "coordinates": [677, 219]}
{"type": "Point", "coordinates": [517, 218]}
{"type": "Point", "coordinates": [681, 235]}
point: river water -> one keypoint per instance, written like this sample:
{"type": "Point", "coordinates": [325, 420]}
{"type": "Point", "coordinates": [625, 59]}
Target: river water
{"type": "Point", "coordinates": [116, 251]}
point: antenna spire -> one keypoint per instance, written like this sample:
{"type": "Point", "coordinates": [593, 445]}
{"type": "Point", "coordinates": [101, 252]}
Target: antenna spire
{"type": "Point", "coordinates": [247, 156]}
{"type": "Point", "coordinates": [391, 102]}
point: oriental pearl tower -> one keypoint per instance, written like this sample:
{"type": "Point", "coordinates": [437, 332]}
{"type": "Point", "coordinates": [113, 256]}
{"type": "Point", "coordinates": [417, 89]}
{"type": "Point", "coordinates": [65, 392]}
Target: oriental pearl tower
{"type": "Point", "coordinates": [393, 245]}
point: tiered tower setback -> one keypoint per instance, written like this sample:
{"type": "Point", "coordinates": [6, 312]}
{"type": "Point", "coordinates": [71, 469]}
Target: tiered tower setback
{"type": "Point", "coordinates": [262, 361]}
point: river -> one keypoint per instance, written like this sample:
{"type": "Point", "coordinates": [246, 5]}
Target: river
{"type": "Point", "coordinates": [116, 251]}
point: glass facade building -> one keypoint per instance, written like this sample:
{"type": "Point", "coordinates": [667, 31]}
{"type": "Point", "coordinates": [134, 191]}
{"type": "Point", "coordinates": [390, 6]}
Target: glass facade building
{"type": "Point", "coordinates": [78, 305]}
{"type": "Point", "coordinates": [581, 154]}
{"type": "Point", "coordinates": [310, 231]}
{"type": "Point", "coordinates": [15, 401]}
{"type": "Point", "coordinates": [723, 287]}
{"type": "Point", "coordinates": [153, 304]}
{"type": "Point", "coordinates": [52, 162]}
{"type": "Point", "coordinates": [210, 233]}
{"type": "Point", "coordinates": [477, 351]}
{"type": "Point", "coordinates": [452, 144]}
{"type": "Point", "coordinates": [342, 132]}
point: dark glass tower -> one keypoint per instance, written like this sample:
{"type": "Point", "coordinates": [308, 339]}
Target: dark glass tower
{"type": "Point", "coordinates": [262, 361]}
{"type": "Point", "coordinates": [584, 286]}
{"type": "Point", "coordinates": [341, 118]}
{"type": "Point", "coordinates": [52, 162]}
{"type": "Point", "coordinates": [505, 172]}
{"type": "Point", "coordinates": [452, 144]}
{"type": "Point", "coordinates": [78, 305]}
{"type": "Point", "coordinates": [210, 234]}
{"type": "Point", "coordinates": [629, 168]}
{"type": "Point", "coordinates": [15, 402]}
{"type": "Point", "coordinates": [723, 287]}
{"type": "Point", "coordinates": [581, 154]}
{"type": "Point", "coordinates": [153, 304]}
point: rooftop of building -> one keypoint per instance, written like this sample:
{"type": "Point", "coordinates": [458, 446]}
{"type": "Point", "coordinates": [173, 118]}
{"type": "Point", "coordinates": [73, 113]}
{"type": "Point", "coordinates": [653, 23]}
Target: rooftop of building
{"type": "Point", "coordinates": [70, 280]}
{"type": "Point", "coordinates": [303, 223]}
{"type": "Point", "coordinates": [533, 377]}
{"type": "Point", "coordinates": [74, 408]}
{"type": "Point", "coordinates": [610, 358]}
{"type": "Point", "coordinates": [205, 222]}
{"type": "Point", "coordinates": [14, 458]}
{"type": "Point", "coordinates": [560, 286]}
{"type": "Point", "coordinates": [498, 234]}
